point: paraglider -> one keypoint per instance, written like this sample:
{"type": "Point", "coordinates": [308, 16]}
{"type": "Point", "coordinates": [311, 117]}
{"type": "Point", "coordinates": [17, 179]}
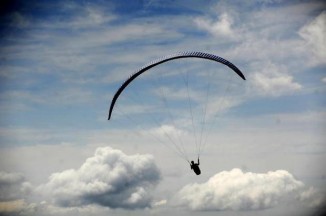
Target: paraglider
{"type": "Point", "coordinates": [195, 167]}
{"type": "Point", "coordinates": [146, 68]}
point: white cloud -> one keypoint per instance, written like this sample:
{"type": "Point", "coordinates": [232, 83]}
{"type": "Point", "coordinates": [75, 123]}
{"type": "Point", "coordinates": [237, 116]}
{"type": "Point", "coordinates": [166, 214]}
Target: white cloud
{"type": "Point", "coordinates": [273, 80]}
{"type": "Point", "coordinates": [221, 27]}
{"type": "Point", "coordinates": [236, 190]}
{"type": "Point", "coordinates": [110, 178]}
{"type": "Point", "coordinates": [314, 33]}
{"type": "Point", "coordinates": [275, 84]}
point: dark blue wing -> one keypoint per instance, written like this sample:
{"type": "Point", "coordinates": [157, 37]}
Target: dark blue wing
{"type": "Point", "coordinates": [169, 58]}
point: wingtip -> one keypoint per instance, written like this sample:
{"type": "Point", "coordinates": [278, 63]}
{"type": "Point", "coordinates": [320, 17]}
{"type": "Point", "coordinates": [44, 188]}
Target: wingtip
{"type": "Point", "coordinates": [242, 76]}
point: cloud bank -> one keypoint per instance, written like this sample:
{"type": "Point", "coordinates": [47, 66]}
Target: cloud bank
{"type": "Point", "coordinates": [236, 190]}
{"type": "Point", "coordinates": [110, 178]}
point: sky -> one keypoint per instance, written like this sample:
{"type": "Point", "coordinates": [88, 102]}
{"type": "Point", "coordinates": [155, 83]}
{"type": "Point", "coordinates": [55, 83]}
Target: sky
{"type": "Point", "coordinates": [261, 141]}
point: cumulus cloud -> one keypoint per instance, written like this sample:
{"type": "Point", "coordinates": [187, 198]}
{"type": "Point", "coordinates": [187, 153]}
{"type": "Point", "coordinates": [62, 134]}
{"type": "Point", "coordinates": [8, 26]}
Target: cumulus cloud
{"type": "Point", "coordinates": [110, 178]}
{"type": "Point", "coordinates": [236, 190]}
{"type": "Point", "coordinates": [314, 33]}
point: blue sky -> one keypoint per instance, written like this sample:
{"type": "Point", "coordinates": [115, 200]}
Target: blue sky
{"type": "Point", "coordinates": [62, 61]}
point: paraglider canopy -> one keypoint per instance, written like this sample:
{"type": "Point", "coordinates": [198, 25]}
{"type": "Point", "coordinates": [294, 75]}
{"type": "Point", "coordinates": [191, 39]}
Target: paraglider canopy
{"type": "Point", "coordinates": [169, 58]}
